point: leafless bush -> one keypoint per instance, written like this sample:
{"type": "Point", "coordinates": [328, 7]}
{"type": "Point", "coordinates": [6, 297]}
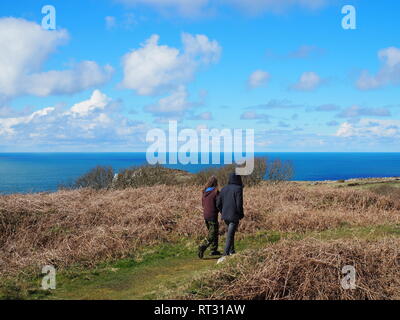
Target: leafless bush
{"type": "Point", "coordinates": [97, 178]}
{"type": "Point", "coordinates": [279, 171]}
{"type": "Point", "coordinates": [258, 174]}
{"type": "Point", "coordinates": [222, 174]}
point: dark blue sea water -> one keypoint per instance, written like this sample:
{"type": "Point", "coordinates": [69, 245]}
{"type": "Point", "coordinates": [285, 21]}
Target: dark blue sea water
{"type": "Point", "coordinates": [34, 172]}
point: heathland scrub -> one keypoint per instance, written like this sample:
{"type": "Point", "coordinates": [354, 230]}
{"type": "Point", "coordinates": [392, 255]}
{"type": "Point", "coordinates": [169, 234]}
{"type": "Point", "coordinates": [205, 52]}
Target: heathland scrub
{"type": "Point", "coordinates": [140, 243]}
{"type": "Point", "coordinates": [166, 271]}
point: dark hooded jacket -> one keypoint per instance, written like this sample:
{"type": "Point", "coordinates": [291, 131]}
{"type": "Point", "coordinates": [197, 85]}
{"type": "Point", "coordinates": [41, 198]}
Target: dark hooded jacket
{"type": "Point", "coordinates": [230, 200]}
{"type": "Point", "coordinates": [209, 202]}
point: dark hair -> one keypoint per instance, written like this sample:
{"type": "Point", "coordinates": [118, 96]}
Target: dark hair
{"type": "Point", "coordinates": [211, 183]}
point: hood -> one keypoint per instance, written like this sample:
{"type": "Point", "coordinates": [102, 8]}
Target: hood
{"type": "Point", "coordinates": [208, 192]}
{"type": "Point", "coordinates": [235, 179]}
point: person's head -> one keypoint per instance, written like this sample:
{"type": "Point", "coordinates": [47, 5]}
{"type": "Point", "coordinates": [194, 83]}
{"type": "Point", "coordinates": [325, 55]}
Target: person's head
{"type": "Point", "coordinates": [211, 183]}
{"type": "Point", "coordinates": [235, 179]}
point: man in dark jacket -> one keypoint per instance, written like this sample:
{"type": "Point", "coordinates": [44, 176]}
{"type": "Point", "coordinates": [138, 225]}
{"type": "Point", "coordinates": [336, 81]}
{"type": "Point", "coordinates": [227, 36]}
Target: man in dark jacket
{"type": "Point", "coordinates": [230, 204]}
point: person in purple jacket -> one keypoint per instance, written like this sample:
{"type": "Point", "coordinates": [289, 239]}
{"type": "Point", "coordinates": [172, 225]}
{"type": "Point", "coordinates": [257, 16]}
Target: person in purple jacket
{"type": "Point", "coordinates": [210, 211]}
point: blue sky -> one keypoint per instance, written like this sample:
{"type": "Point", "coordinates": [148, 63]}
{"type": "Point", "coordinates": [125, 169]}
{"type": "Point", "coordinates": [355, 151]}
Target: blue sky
{"type": "Point", "coordinates": [114, 69]}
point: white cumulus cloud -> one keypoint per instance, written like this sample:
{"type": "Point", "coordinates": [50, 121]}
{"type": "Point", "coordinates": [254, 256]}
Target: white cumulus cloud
{"type": "Point", "coordinates": [98, 101]}
{"type": "Point", "coordinates": [154, 69]}
{"type": "Point", "coordinates": [92, 121]}
{"type": "Point", "coordinates": [8, 125]}
{"type": "Point", "coordinates": [176, 102]}
{"type": "Point", "coordinates": [370, 128]}
{"type": "Point", "coordinates": [25, 46]}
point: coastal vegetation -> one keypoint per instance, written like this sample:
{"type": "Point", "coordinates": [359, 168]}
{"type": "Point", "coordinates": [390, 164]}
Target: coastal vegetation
{"type": "Point", "coordinates": [293, 242]}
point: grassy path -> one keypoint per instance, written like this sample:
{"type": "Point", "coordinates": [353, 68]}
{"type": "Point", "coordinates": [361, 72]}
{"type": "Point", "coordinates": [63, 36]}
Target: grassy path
{"type": "Point", "coordinates": [167, 270]}
{"type": "Point", "coordinates": [146, 282]}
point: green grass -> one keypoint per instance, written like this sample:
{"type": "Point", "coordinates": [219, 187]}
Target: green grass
{"type": "Point", "coordinates": [161, 271]}
{"type": "Point", "coordinates": [369, 186]}
{"type": "Point", "coordinates": [360, 184]}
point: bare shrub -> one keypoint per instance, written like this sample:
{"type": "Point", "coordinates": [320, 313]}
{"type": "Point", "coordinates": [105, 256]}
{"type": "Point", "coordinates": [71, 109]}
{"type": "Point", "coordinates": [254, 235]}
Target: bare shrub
{"type": "Point", "coordinates": [258, 174]}
{"type": "Point", "coordinates": [279, 171]}
{"type": "Point", "coordinates": [307, 269]}
{"type": "Point", "coordinates": [97, 178]}
{"type": "Point", "coordinates": [222, 174]}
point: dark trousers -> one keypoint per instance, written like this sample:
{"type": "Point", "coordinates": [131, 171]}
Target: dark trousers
{"type": "Point", "coordinates": [230, 237]}
{"type": "Point", "coordinates": [212, 237]}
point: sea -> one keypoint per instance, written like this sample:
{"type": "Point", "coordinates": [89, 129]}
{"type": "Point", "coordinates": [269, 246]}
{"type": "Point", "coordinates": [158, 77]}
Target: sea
{"type": "Point", "coordinates": [46, 172]}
